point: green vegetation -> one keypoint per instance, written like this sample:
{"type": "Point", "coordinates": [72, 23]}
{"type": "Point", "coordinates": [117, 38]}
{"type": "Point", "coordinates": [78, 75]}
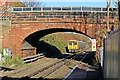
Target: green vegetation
{"type": "Point", "coordinates": [60, 39]}
{"type": "Point", "coordinates": [12, 62]}
{"type": "Point", "coordinates": [56, 40]}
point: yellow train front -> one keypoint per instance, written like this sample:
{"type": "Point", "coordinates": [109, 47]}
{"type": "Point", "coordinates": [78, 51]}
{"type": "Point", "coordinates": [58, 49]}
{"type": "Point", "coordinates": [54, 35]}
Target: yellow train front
{"type": "Point", "coordinates": [73, 46]}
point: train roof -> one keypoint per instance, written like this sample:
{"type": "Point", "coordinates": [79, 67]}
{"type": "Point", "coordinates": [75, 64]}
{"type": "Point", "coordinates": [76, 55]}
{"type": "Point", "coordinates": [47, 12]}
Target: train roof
{"type": "Point", "coordinates": [77, 41]}
{"type": "Point", "coordinates": [72, 40]}
{"type": "Point", "coordinates": [81, 41]}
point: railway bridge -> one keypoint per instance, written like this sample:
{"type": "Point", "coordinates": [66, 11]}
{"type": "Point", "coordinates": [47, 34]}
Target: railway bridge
{"type": "Point", "coordinates": [28, 24]}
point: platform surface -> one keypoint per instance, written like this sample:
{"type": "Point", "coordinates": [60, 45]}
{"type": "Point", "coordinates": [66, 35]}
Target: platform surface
{"type": "Point", "coordinates": [83, 72]}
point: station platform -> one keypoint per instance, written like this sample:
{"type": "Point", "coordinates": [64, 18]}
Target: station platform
{"type": "Point", "coordinates": [83, 72]}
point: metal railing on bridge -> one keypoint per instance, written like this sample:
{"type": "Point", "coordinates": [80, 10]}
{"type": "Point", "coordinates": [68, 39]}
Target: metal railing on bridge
{"type": "Point", "coordinates": [61, 9]}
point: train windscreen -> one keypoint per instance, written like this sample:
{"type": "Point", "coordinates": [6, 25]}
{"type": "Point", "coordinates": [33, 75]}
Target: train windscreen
{"type": "Point", "coordinates": [72, 43]}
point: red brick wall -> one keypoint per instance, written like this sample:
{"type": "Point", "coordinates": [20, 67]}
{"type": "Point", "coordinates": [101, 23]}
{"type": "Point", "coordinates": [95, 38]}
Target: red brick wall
{"type": "Point", "coordinates": [21, 29]}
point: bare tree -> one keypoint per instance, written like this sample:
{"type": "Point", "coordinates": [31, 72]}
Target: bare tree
{"type": "Point", "coordinates": [115, 2]}
{"type": "Point", "coordinates": [108, 7]}
{"type": "Point", "coordinates": [32, 3]}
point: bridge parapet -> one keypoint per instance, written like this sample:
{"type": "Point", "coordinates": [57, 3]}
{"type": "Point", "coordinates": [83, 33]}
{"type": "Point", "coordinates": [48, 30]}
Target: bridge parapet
{"type": "Point", "coordinates": [87, 15]}
{"type": "Point", "coordinates": [61, 9]}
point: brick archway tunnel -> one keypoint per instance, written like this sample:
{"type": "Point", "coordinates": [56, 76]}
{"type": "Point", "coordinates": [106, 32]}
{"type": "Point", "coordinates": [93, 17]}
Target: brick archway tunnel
{"type": "Point", "coordinates": [32, 38]}
{"type": "Point", "coordinates": [26, 26]}
{"type": "Point", "coordinates": [31, 33]}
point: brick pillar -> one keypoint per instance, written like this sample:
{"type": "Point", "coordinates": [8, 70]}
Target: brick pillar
{"type": "Point", "coordinates": [1, 35]}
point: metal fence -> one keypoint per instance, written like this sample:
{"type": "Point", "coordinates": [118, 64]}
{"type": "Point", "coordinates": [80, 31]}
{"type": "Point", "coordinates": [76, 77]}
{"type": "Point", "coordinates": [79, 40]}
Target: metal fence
{"type": "Point", "coordinates": [59, 9]}
{"type": "Point", "coordinates": [111, 61]}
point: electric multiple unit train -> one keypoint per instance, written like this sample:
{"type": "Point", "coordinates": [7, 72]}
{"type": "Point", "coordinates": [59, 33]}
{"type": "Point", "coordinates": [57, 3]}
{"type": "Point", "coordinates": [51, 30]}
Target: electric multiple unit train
{"type": "Point", "coordinates": [75, 46]}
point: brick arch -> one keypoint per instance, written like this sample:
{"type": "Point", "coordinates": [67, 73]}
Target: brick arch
{"type": "Point", "coordinates": [20, 31]}
{"type": "Point", "coordinates": [33, 39]}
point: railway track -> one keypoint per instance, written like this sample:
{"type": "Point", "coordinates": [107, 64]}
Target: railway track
{"type": "Point", "coordinates": [41, 69]}
{"type": "Point", "coordinates": [28, 60]}
{"type": "Point", "coordinates": [44, 72]}
{"type": "Point", "coordinates": [32, 58]}
{"type": "Point", "coordinates": [48, 70]}
{"type": "Point", "coordinates": [25, 71]}
{"type": "Point", "coordinates": [83, 71]}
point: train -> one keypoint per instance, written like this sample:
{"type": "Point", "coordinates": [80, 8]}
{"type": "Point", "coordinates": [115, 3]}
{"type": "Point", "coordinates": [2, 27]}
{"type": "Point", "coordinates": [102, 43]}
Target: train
{"type": "Point", "coordinates": [72, 46]}
{"type": "Point", "coordinates": [75, 46]}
